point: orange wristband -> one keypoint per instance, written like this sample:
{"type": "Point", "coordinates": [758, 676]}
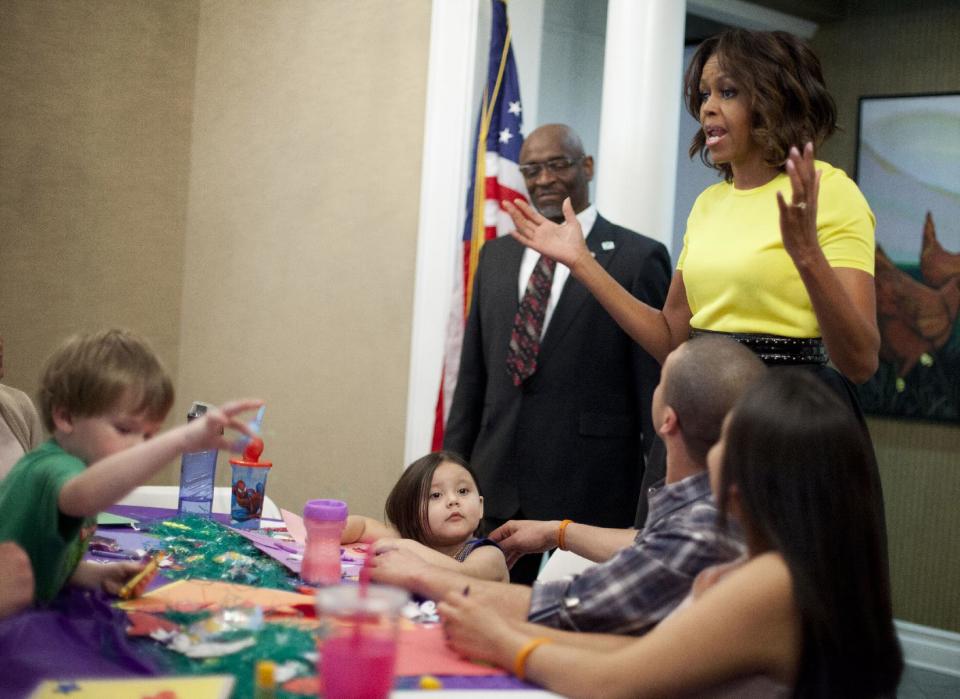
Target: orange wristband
{"type": "Point", "coordinates": [520, 662]}
{"type": "Point", "coordinates": [561, 542]}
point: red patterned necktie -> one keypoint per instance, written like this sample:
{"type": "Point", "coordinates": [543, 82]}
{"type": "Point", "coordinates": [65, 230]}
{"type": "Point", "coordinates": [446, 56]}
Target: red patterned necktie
{"type": "Point", "coordinates": [528, 323]}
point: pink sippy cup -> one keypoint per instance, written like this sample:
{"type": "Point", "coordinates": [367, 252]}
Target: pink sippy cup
{"type": "Point", "coordinates": [324, 521]}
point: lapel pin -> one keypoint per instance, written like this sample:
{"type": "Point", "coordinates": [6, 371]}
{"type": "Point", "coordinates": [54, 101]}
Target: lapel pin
{"type": "Point", "coordinates": [607, 245]}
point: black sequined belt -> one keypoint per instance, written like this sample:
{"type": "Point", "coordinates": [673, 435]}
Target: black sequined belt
{"type": "Point", "coordinates": [776, 349]}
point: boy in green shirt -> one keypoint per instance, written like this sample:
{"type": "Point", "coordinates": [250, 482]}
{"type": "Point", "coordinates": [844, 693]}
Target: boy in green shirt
{"type": "Point", "coordinates": [103, 398]}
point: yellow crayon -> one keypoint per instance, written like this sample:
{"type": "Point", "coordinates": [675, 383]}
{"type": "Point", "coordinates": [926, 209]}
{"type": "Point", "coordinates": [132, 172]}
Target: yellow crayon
{"type": "Point", "coordinates": [126, 592]}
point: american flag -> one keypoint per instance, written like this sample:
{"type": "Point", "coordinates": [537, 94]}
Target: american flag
{"type": "Point", "coordinates": [498, 141]}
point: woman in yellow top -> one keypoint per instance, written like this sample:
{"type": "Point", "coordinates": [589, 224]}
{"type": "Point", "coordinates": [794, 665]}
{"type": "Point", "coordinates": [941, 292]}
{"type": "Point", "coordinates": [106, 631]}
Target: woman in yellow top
{"type": "Point", "coordinates": [781, 253]}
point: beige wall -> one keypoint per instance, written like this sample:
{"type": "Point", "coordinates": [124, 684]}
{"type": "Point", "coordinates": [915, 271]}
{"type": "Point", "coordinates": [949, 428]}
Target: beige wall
{"type": "Point", "coordinates": [239, 182]}
{"type": "Point", "coordinates": [94, 160]}
{"type": "Point", "coordinates": [301, 233]}
{"type": "Point", "coordinates": [886, 49]}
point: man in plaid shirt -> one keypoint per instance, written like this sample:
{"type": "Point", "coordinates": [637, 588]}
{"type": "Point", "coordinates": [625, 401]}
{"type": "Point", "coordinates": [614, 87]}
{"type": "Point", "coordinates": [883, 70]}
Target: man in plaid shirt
{"type": "Point", "coordinates": [644, 574]}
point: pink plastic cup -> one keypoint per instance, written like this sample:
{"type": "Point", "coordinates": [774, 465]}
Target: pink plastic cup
{"type": "Point", "coordinates": [358, 654]}
{"type": "Point", "coordinates": [324, 521]}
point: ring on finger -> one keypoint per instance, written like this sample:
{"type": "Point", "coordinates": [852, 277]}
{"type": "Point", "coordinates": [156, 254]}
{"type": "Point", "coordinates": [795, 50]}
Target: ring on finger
{"type": "Point", "coordinates": [800, 205]}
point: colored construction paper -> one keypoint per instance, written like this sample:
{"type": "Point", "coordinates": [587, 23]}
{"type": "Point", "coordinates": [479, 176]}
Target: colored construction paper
{"type": "Point", "coordinates": [288, 553]}
{"type": "Point", "coordinates": [108, 519]}
{"type": "Point", "coordinates": [195, 687]}
{"type": "Point", "coordinates": [423, 650]}
{"type": "Point", "coordinates": [295, 526]}
{"type": "Point", "coordinates": [212, 594]}
{"type": "Point", "coordinates": [143, 624]}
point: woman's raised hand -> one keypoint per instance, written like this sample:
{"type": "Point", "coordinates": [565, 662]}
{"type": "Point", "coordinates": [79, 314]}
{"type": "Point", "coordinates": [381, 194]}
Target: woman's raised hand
{"type": "Point", "coordinates": [798, 219]}
{"type": "Point", "coordinates": [562, 241]}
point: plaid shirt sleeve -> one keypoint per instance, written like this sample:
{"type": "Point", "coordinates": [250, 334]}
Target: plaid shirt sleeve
{"type": "Point", "coordinates": [643, 583]}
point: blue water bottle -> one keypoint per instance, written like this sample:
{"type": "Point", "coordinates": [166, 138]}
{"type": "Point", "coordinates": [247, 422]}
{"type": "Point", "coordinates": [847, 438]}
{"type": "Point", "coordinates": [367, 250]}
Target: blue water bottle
{"type": "Point", "coordinates": [197, 471]}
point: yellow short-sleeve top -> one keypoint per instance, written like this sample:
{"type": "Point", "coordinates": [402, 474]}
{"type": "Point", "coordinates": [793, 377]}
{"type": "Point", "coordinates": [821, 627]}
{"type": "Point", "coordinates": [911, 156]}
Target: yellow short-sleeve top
{"type": "Point", "coordinates": [738, 276]}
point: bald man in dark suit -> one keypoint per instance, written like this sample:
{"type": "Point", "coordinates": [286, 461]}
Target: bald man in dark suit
{"type": "Point", "coordinates": [569, 441]}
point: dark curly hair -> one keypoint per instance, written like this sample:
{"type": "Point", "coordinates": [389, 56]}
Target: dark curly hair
{"type": "Point", "coordinates": [782, 78]}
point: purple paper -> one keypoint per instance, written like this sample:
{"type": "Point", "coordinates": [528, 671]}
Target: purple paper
{"type": "Point", "coordinates": [277, 550]}
{"type": "Point", "coordinates": [78, 635]}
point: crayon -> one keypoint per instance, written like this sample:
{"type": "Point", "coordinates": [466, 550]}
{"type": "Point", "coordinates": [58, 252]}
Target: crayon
{"type": "Point", "coordinates": [126, 592]}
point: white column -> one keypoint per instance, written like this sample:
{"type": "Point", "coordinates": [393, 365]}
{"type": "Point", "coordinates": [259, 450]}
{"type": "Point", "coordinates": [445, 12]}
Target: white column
{"type": "Point", "coordinates": [639, 121]}
{"type": "Point", "coordinates": [447, 138]}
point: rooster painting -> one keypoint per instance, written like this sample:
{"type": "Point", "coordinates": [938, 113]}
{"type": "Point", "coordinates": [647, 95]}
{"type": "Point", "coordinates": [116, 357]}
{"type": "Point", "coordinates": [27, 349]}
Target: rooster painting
{"type": "Point", "coordinates": [918, 320]}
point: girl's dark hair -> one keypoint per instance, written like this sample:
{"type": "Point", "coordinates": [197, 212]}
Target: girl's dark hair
{"type": "Point", "coordinates": [407, 503]}
{"type": "Point", "coordinates": [782, 78]}
{"type": "Point", "coordinates": [804, 469]}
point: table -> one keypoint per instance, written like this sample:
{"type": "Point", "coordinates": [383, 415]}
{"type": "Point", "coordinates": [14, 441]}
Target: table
{"type": "Point", "coordinates": [81, 635]}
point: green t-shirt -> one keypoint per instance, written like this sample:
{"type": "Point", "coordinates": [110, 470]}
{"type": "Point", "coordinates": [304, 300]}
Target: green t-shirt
{"type": "Point", "coordinates": [30, 516]}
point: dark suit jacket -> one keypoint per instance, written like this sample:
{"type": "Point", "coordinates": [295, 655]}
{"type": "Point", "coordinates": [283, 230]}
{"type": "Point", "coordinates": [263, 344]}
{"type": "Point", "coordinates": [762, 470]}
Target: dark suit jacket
{"type": "Point", "coordinates": [567, 443]}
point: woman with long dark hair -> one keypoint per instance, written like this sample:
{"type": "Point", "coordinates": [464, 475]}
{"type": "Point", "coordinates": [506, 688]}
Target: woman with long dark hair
{"type": "Point", "coordinates": [807, 613]}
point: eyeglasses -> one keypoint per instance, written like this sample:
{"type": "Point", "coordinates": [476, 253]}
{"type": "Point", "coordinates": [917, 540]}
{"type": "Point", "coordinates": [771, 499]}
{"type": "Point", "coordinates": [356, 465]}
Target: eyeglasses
{"type": "Point", "coordinates": [554, 166]}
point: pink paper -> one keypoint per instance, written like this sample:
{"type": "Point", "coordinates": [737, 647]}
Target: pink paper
{"type": "Point", "coordinates": [422, 650]}
{"type": "Point", "coordinates": [295, 526]}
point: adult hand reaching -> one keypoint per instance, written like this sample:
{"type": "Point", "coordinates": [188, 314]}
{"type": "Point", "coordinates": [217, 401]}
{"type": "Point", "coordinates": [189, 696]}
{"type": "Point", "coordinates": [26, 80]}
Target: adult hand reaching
{"type": "Point", "coordinates": [396, 565]}
{"type": "Point", "coordinates": [562, 241]}
{"type": "Point", "coordinates": [521, 536]}
{"type": "Point", "coordinates": [798, 220]}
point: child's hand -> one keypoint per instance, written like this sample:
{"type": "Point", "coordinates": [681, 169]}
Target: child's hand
{"type": "Point", "coordinates": [207, 432]}
{"type": "Point", "coordinates": [109, 577]}
{"type": "Point", "coordinates": [115, 575]}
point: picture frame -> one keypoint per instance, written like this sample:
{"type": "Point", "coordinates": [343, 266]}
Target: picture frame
{"type": "Point", "coordinates": [908, 168]}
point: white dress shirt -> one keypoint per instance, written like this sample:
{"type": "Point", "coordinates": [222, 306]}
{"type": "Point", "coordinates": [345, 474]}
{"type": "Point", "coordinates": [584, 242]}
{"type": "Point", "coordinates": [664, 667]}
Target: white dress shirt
{"type": "Point", "coordinates": [587, 218]}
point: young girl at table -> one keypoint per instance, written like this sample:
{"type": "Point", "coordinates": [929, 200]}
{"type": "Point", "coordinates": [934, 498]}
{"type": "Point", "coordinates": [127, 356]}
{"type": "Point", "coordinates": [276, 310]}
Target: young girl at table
{"type": "Point", "coordinates": [103, 398]}
{"type": "Point", "coordinates": [434, 511]}
{"type": "Point", "coordinates": [807, 613]}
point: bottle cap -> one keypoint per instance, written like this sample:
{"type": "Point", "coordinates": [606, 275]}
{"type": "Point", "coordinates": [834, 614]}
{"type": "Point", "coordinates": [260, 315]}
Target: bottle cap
{"type": "Point", "coordinates": [266, 674]}
{"type": "Point", "coordinates": [198, 409]}
{"type": "Point", "coordinates": [253, 450]}
{"type": "Point", "coordinates": [325, 510]}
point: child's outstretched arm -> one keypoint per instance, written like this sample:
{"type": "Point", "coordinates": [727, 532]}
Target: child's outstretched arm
{"type": "Point", "coordinates": [360, 528]}
{"type": "Point", "coordinates": [108, 480]}
{"type": "Point", "coordinates": [485, 562]}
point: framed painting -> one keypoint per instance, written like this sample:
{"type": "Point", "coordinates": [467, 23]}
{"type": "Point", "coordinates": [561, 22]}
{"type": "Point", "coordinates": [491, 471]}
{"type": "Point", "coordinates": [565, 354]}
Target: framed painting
{"type": "Point", "coordinates": [908, 167]}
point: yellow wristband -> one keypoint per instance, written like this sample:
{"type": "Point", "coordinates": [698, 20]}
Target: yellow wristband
{"type": "Point", "coordinates": [561, 542]}
{"type": "Point", "coordinates": [520, 662]}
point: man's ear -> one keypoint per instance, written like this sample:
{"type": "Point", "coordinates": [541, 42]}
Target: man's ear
{"type": "Point", "coordinates": [62, 421]}
{"type": "Point", "coordinates": [588, 167]}
{"type": "Point", "coordinates": [669, 423]}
